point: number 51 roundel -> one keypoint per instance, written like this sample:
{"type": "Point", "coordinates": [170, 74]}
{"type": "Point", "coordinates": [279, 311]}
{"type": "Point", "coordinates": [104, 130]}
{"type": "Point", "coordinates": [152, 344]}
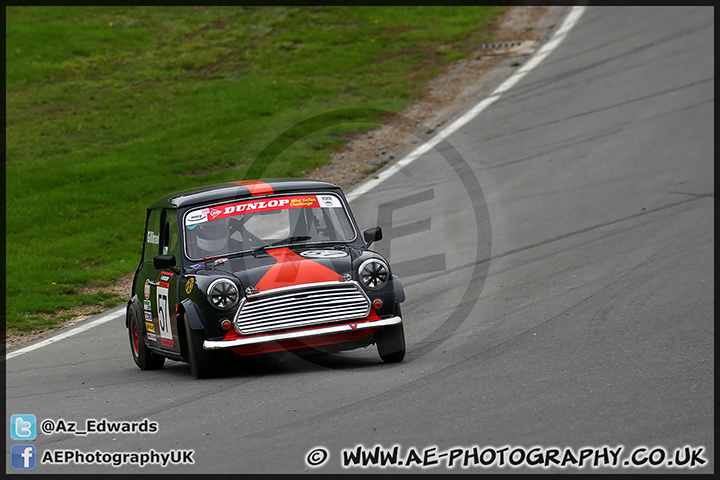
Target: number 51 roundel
{"type": "Point", "coordinates": [166, 337]}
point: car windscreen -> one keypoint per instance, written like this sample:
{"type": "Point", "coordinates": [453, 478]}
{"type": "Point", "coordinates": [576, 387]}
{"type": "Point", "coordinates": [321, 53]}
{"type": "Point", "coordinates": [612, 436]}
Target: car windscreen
{"type": "Point", "coordinates": [242, 226]}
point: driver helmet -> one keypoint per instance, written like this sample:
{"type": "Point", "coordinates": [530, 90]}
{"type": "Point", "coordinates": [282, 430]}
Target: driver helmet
{"type": "Point", "coordinates": [212, 236]}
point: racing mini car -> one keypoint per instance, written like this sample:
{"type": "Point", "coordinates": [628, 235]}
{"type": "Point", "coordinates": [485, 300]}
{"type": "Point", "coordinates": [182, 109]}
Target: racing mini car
{"type": "Point", "coordinates": [255, 267]}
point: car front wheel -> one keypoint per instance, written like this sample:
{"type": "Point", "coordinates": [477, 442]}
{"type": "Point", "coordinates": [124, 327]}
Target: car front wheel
{"type": "Point", "coordinates": [391, 341]}
{"type": "Point", "coordinates": [143, 356]}
{"type": "Point", "coordinates": [202, 362]}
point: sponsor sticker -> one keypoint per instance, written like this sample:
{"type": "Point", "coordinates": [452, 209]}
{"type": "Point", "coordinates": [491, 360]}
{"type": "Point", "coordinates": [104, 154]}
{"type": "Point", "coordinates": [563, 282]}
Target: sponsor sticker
{"type": "Point", "coordinates": [147, 289]}
{"type": "Point", "coordinates": [265, 205]}
{"type": "Point", "coordinates": [323, 254]}
{"type": "Point", "coordinates": [197, 217]}
{"type": "Point", "coordinates": [329, 201]}
{"type": "Point", "coordinates": [147, 305]}
{"type": "Point", "coordinates": [189, 285]}
{"type": "Point", "coordinates": [148, 322]}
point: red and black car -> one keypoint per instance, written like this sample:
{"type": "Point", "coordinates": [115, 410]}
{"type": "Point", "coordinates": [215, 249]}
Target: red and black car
{"type": "Point", "coordinates": [256, 267]}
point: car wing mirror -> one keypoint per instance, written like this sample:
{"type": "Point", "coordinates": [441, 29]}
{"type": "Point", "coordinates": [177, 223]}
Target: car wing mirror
{"type": "Point", "coordinates": [372, 235]}
{"type": "Point", "coordinates": [164, 261]}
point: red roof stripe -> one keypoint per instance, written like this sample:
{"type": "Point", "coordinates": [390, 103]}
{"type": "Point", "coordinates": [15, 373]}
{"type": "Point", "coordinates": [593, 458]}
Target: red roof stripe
{"type": "Point", "coordinates": [256, 187]}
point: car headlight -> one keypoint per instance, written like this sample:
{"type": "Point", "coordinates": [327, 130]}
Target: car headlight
{"type": "Point", "coordinates": [223, 294]}
{"type": "Point", "coordinates": [373, 274]}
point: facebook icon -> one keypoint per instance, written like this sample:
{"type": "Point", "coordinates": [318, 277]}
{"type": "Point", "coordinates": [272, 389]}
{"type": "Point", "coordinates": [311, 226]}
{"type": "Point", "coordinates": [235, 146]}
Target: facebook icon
{"type": "Point", "coordinates": [22, 457]}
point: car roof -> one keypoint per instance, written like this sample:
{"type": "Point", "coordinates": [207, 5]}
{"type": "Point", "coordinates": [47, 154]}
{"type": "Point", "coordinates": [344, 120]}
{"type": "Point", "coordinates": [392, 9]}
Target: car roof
{"type": "Point", "coordinates": [240, 190]}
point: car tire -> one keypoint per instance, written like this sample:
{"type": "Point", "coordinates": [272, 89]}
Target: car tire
{"type": "Point", "coordinates": [142, 355]}
{"type": "Point", "coordinates": [391, 341]}
{"type": "Point", "coordinates": [202, 362]}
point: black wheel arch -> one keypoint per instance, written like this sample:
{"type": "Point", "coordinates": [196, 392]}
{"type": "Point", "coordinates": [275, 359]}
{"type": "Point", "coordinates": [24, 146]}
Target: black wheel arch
{"type": "Point", "coordinates": [133, 303]}
{"type": "Point", "coordinates": [188, 314]}
{"type": "Point", "coordinates": [191, 311]}
{"type": "Point", "coordinates": [399, 290]}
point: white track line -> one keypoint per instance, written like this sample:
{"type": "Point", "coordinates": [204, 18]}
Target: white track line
{"type": "Point", "coordinates": [103, 318]}
{"type": "Point", "coordinates": [365, 187]}
{"type": "Point", "coordinates": [570, 21]}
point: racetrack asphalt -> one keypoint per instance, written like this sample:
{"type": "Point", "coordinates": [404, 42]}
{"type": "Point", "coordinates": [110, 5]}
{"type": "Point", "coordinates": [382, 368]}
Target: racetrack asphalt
{"type": "Point", "coordinates": [559, 282]}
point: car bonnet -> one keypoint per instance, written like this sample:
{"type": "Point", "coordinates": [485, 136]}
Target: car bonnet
{"type": "Point", "coordinates": [284, 267]}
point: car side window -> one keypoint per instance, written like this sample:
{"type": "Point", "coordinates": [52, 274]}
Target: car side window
{"type": "Point", "coordinates": [152, 235]}
{"type": "Point", "coordinates": [169, 239]}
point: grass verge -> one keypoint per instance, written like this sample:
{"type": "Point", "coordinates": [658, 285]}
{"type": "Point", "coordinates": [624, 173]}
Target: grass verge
{"type": "Point", "coordinates": [108, 108]}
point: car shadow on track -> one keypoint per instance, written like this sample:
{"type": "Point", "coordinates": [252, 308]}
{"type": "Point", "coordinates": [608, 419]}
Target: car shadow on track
{"type": "Point", "coordinates": [285, 362]}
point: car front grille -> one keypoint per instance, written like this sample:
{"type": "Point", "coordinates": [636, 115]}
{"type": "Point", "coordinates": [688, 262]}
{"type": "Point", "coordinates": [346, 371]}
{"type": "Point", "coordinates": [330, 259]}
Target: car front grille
{"type": "Point", "coordinates": [301, 306]}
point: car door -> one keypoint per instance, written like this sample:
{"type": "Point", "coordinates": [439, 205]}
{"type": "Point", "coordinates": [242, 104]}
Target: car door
{"type": "Point", "coordinates": [157, 287]}
{"type": "Point", "coordinates": [164, 298]}
{"type": "Point", "coordinates": [148, 276]}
